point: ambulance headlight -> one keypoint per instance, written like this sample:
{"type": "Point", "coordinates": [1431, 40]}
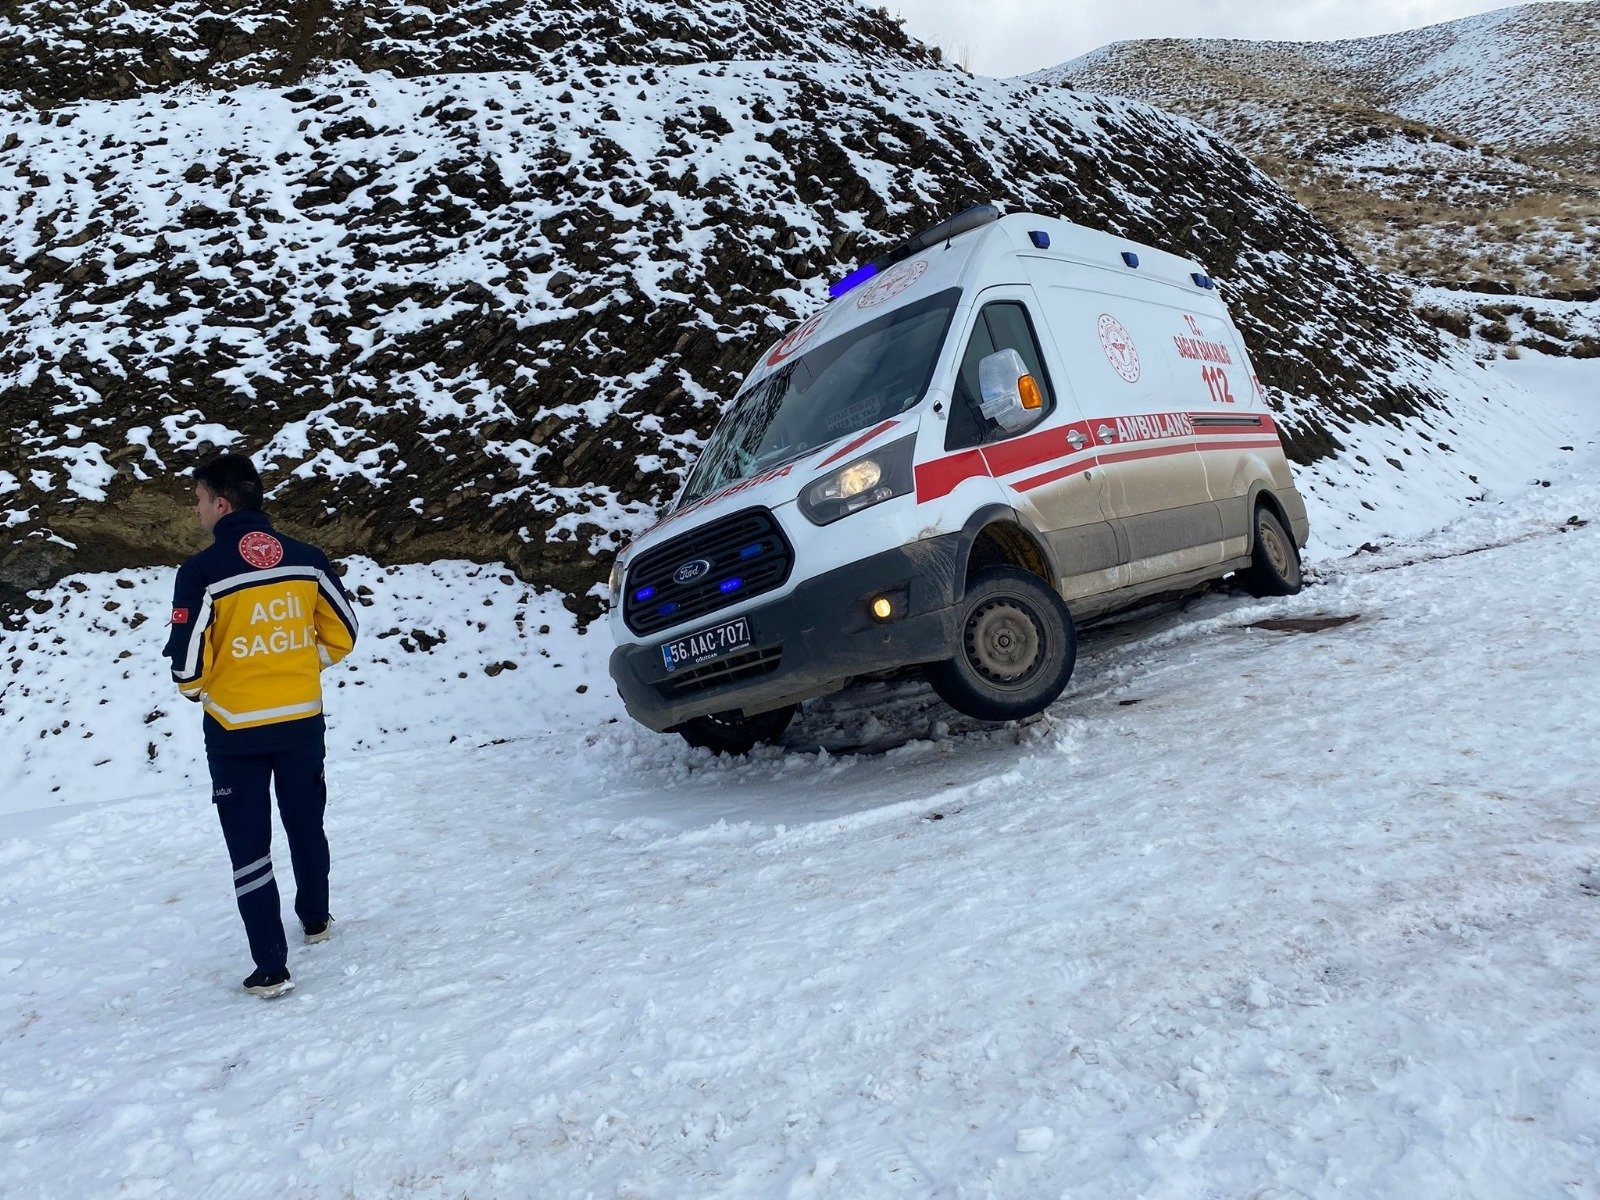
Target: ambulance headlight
{"type": "Point", "coordinates": [868, 480]}
{"type": "Point", "coordinates": [616, 577]}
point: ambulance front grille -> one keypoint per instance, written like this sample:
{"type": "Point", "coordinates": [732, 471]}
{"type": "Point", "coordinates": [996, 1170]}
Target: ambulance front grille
{"type": "Point", "coordinates": [741, 667]}
{"type": "Point", "coordinates": [744, 554]}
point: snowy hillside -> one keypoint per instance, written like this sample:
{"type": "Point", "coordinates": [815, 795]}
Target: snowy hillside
{"type": "Point", "coordinates": [490, 315]}
{"type": "Point", "coordinates": [1289, 898]}
{"type": "Point", "coordinates": [1458, 153]}
{"type": "Point", "coordinates": [60, 51]}
{"type": "Point", "coordinates": [463, 654]}
{"type": "Point", "coordinates": [1303, 908]}
{"type": "Point", "coordinates": [1496, 324]}
{"type": "Point", "coordinates": [1524, 77]}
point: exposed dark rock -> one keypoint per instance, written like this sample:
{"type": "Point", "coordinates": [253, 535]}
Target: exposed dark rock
{"type": "Point", "coordinates": [491, 317]}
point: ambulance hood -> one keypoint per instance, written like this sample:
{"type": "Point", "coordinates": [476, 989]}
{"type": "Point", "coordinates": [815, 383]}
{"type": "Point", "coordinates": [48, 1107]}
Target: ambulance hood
{"type": "Point", "coordinates": [774, 487]}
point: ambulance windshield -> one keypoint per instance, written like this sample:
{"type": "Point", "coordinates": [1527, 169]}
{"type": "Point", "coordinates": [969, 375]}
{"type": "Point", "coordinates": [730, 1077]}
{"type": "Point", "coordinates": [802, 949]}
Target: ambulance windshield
{"type": "Point", "coordinates": [874, 372]}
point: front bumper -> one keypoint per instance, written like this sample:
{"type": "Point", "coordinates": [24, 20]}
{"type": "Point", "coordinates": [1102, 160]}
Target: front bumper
{"type": "Point", "coordinates": [809, 643]}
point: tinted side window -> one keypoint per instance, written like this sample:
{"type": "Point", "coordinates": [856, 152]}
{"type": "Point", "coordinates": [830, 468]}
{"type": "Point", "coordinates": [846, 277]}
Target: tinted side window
{"type": "Point", "coordinates": [1003, 325]}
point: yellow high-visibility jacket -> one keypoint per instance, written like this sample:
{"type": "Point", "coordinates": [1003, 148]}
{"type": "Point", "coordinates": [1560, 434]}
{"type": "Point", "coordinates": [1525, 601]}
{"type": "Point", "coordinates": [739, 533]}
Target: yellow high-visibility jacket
{"type": "Point", "coordinates": [256, 617]}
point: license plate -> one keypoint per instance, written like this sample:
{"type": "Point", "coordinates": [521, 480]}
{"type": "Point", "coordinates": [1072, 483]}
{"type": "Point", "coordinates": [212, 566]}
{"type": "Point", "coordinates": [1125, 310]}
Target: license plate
{"type": "Point", "coordinates": [706, 645]}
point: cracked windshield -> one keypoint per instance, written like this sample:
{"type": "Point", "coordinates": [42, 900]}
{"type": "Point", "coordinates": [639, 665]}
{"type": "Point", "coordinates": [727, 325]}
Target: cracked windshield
{"type": "Point", "coordinates": [853, 381]}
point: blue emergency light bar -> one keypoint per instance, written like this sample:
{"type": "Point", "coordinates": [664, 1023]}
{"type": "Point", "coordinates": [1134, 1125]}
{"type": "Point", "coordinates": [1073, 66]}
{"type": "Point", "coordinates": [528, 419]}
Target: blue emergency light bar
{"type": "Point", "coordinates": [730, 585]}
{"type": "Point", "coordinates": [857, 277]}
{"type": "Point", "coordinates": [1129, 257]}
{"type": "Point", "coordinates": [1201, 281]}
{"type": "Point", "coordinates": [978, 214]}
{"type": "Point", "coordinates": [644, 594]}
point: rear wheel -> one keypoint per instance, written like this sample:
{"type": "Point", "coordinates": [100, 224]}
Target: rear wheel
{"type": "Point", "coordinates": [732, 733]}
{"type": "Point", "coordinates": [1274, 562]}
{"type": "Point", "coordinates": [1017, 650]}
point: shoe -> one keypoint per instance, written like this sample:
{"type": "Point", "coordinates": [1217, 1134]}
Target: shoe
{"type": "Point", "coordinates": [320, 932]}
{"type": "Point", "coordinates": [268, 984]}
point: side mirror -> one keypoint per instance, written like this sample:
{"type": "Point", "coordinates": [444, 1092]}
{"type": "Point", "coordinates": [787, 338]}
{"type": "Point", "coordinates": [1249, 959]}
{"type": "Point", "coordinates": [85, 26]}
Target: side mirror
{"type": "Point", "coordinates": [1011, 396]}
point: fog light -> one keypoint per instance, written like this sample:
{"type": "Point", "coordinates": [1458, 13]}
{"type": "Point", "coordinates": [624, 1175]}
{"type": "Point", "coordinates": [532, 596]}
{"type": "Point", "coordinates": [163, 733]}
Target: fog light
{"type": "Point", "coordinates": [882, 609]}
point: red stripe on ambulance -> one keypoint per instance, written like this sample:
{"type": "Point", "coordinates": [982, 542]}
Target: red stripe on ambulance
{"type": "Point", "coordinates": [1076, 468]}
{"type": "Point", "coordinates": [857, 444]}
{"type": "Point", "coordinates": [943, 475]}
{"type": "Point", "coordinates": [1036, 449]}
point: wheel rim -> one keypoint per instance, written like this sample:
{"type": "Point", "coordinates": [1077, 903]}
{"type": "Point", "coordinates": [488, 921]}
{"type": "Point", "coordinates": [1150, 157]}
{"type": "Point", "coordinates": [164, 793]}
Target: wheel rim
{"type": "Point", "coordinates": [1277, 551]}
{"type": "Point", "coordinates": [1004, 642]}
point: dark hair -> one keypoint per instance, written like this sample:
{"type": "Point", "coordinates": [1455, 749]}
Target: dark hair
{"type": "Point", "coordinates": [234, 478]}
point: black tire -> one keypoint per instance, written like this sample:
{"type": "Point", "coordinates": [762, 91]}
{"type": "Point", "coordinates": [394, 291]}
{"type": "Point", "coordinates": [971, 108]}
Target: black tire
{"type": "Point", "coordinates": [730, 733]}
{"type": "Point", "coordinates": [1274, 568]}
{"type": "Point", "coordinates": [1018, 647]}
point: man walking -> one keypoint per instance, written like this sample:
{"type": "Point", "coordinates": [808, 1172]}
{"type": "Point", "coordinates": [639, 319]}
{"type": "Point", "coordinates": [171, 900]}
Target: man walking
{"type": "Point", "coordinates": [255, 619]}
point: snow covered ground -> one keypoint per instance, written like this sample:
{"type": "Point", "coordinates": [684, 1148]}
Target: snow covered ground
{"type": "Point", "coordinates": [1251, 912]}
{"type": "Point", "coordinates": [451, 652]}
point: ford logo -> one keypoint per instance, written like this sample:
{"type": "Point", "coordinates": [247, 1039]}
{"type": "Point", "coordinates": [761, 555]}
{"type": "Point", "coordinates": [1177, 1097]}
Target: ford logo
{"type": "Point", "coordinates": [690, 571]}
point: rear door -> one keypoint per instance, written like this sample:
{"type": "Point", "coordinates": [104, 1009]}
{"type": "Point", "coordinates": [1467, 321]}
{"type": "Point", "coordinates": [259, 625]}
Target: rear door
{"type": "Point", "coordinates": [1118, 336]}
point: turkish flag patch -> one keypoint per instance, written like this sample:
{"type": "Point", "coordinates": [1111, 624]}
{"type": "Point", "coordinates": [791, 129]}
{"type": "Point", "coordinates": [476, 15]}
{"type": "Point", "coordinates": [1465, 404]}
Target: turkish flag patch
{"type": "Point", "coordinates": [180, 616]}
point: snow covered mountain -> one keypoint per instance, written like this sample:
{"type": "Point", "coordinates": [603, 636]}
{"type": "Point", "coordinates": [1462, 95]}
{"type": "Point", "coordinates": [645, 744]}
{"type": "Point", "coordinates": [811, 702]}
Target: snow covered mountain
{"type": "Point", "coordinates": [490, 313]}
{"type": "Point", "coordinates": [112, 49]}
{"type": "Point", "coordinates": [1459, 153]}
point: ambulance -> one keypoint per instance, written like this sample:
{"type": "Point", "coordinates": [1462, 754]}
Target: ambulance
{"type": "Point", "coordinates": [1003, 427]}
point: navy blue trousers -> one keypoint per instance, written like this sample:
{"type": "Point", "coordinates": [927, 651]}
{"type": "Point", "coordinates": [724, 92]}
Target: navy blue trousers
{"type": "Point", "coordinates": [239, 784]}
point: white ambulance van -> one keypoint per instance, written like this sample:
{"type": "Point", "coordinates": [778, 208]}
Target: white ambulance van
{"type": "Point", "coordinates": [1006, 424]}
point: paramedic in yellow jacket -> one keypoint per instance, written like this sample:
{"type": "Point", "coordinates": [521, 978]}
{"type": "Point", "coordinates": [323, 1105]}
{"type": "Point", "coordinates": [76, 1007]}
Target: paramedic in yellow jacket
{"type": "Point", "coordinates": [256, 618]}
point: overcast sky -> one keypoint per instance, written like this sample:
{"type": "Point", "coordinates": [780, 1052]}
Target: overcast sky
{"type": "Point", "coordinates": [1011, 37]}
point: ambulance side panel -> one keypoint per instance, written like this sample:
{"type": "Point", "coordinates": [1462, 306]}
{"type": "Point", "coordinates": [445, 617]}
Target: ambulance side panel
{"type": "Point", "coordinates": [1240, 442]}
{"type": "Point", "coordinates": [1043, 476]}
{"type": "Point", "coordinates": [1113, 331]}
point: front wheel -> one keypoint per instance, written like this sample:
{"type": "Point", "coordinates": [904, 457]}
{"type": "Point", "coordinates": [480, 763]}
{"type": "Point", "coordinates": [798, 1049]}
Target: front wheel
{"type": "Point", "coordinates": [1274, 568]}
{"type": "Point", "coordinates": [1017, 650]}
{"type": "Point", "coordinates": [731, 733]}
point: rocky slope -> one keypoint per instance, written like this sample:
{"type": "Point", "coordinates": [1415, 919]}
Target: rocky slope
{"type": "Point", "coordinates": [113, 49]}
{"type": "Point", "coordinates": [461, 312]}
{"type": "Point", "coordinates": [1464, 154]}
